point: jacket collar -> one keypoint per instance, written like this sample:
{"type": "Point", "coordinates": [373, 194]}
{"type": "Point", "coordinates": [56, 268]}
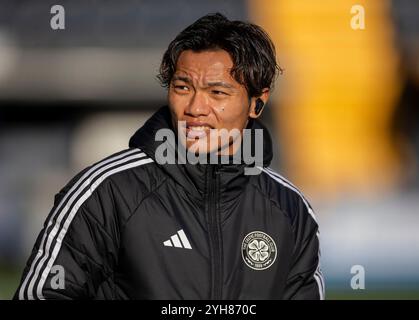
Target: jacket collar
{"type": "Point", "coordinates": [194, 177]}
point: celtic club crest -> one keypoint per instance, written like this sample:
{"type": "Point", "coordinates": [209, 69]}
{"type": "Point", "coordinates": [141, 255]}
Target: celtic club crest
{"type": "Point", "coordinates": [258, 250]}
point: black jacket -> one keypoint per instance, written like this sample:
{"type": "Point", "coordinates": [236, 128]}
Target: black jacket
{"type": "Point", "coordinates": [130, 228]}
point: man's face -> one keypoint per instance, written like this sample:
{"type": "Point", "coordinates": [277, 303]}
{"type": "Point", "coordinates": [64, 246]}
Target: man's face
{"type": "Point", "coordinates": [205, 95]}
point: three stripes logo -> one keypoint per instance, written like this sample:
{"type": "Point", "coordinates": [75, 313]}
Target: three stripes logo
{"type": "Point", "coordinates": [178, 240]}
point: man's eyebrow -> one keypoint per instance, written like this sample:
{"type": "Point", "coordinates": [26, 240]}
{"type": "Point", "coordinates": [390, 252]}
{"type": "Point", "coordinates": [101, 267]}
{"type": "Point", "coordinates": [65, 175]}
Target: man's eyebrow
{"type": "Point", "coordinates": [182, 78]}
{"type": "Point", "coordinates": [220, 84]}
{"type": "Point", "coordinates": [209, 84]}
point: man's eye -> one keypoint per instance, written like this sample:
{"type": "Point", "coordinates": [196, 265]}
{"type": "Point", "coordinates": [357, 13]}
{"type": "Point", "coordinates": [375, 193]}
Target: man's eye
{"type": "Point", "coordinates": [183, 88]}
{"type": "Point", "coordinates": [219, 93]}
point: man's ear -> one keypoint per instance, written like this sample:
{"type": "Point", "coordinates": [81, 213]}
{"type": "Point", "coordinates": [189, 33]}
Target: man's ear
{"type": "Point", "coordinates": [257, 104]}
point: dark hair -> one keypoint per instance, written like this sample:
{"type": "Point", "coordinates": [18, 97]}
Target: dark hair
{"type": "Point", "coordinates": [250, 48]}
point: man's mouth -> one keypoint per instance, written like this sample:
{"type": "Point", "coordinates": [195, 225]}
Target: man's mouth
{"type": "Point", "coordinates": [197, 130]}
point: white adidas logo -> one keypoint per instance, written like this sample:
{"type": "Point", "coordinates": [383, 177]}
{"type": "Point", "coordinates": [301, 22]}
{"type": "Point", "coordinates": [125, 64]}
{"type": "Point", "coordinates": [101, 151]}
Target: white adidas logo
{"type": "Point", "coordinates": [174, 241]}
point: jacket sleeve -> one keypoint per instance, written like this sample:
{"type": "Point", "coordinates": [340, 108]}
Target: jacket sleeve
{"type": "Point", "coordinates": [77, 247]}
{"type": "Point", "coordinates": [305, 279]}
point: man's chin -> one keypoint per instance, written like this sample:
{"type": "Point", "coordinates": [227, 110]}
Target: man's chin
{"type": "Point", "coordinates": [199, 147]}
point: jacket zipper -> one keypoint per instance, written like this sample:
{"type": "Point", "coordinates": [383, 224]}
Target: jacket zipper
{"type": "Point", "coordinates": [214, 234]}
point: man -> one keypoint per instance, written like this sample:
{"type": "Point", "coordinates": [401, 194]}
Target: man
{"type": "Point", "coordinates": [139, 225]}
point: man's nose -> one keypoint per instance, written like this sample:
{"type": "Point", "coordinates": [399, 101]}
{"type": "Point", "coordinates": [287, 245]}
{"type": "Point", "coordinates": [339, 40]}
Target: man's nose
{"type": "Point", "coordinates": [198, 105]}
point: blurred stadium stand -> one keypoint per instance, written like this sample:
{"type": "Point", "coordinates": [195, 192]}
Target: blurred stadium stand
{"type": "Point", "coordinates": [347, 119]}
{"type": "Point", "coordinates": [109, 50]}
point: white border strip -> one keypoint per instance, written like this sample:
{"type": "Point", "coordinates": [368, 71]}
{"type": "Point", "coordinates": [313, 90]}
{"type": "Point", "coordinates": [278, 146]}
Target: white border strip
{"type": "Point", "coordinates": [71, 216]}
{"type": "Point", "coordinates": [318, 276]}
{"type": "Point", "coordinates": [134, 154]}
